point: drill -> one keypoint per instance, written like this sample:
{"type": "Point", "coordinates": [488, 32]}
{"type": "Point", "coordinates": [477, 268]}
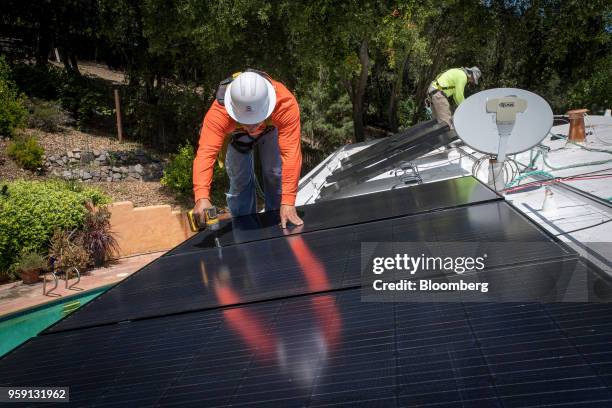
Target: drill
{"type": "Point", "coordinates": [211, 222]}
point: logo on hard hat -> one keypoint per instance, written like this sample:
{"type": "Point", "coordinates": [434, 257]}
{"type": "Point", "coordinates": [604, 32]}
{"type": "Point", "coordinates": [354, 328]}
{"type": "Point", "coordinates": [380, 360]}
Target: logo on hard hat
{"type": "Point", "coordinates": [249, 108]}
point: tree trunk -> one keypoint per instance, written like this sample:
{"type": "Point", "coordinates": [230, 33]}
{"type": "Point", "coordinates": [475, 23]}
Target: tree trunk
{"type": "Point", "coordinates": [44, 43]}
{"type": "Point", "coordinates": [396, 90]}
{"type": "Point", "coordinates": [358, 91]}
{"type": "Point", "coordinates": [74, 63]}
{"type": "Point", "coordinates": [65, 60]}
{"type": "Point", "coordinates": [439, 50]}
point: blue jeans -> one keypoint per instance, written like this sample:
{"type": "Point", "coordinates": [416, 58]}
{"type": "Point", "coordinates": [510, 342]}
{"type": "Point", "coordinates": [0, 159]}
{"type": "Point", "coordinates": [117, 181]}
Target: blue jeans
{"type": "Point", "coordinates": [241, 197]}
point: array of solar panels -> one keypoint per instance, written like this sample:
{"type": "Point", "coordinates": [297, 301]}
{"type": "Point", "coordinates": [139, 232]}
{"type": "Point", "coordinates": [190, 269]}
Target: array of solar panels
{"type": "Point", "coordinates": [389, 153]}
{"type": "Point", "coordinates": [276, 320]}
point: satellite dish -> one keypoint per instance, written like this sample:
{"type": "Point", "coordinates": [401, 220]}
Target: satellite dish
{"type": "Point", "coordinates": [503, 121]}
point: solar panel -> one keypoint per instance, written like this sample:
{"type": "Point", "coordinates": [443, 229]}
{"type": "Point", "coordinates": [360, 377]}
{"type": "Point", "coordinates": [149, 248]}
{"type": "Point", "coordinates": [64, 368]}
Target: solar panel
{"type": "Point", "coordinates": [306, 263]}
{"type": "Point", "coordinates": [349, 211]}
{"type": "Point", "coordinates": [333, 349]}
{"type": "Point", "coordinates": [389, 144]}
{"type": "Point", "coordinates": [282, 321]}
{"type": "Point", "coordinates": [404, 152]}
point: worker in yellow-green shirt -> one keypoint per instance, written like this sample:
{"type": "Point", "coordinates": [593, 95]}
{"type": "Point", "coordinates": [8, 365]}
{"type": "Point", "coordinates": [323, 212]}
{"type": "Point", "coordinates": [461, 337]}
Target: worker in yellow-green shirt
{"type": "Point", "coordinates": [449, 84]}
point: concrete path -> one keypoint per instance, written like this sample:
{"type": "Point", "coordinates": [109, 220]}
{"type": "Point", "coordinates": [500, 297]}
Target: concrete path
{"type": "Point", "coordinates": [16, 296]}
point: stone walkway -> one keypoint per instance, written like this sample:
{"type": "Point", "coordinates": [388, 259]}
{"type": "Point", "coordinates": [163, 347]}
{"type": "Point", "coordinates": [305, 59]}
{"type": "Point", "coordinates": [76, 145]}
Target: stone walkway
{"type": "Point", "coordinates": [17, 296]}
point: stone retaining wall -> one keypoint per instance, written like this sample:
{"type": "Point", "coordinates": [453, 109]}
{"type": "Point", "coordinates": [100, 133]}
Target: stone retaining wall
{"type": "Point", "coordinates": [102, 165]}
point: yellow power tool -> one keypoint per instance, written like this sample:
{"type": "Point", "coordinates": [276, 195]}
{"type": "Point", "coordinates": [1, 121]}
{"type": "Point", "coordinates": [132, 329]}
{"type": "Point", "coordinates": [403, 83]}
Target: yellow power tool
{"type": "Point", "coordinates": [211, 222]}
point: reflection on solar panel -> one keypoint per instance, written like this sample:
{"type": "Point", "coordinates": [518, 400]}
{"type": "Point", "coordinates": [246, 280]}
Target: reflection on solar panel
{"type": "Point", "coordinates": [286, 266]}
{"type": "Point", "coordinates": [332, 349]}
{"type": "Point", "coordinates": [279, 321]}
{"type": "Point", "coordinates": [357, 210]}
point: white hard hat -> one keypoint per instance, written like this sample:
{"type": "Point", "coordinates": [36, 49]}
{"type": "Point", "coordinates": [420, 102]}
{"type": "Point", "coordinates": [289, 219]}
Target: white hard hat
{"type": "Point", "coordinates": [250, 98]}
{"type": "Point", "coordinates": [475, 73]}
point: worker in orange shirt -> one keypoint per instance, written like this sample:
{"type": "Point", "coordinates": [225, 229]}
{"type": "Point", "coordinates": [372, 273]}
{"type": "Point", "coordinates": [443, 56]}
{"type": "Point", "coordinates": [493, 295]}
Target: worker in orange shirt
{"type": "Point", "coordinates": [251, 109]}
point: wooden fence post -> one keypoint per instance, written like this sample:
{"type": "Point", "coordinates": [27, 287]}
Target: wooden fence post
{"type": "Point", "coordinates": [118, 111]}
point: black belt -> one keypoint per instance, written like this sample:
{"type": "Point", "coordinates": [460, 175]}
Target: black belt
{"type": "Point", "coordinates": [244, 143]}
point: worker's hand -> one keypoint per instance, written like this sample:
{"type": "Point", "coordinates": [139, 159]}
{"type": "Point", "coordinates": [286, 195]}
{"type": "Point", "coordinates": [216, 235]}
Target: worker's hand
{"type": "Point", "coordinates": [295, 230]}
{"type": "Point", "coordinates": [288, 213]}
{"type": "Point", "coordinates": [200, 206]}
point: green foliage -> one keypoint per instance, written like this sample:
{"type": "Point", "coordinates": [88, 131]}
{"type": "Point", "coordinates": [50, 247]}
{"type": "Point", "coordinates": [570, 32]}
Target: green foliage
{"type": "Point", "coordinates": [178, 175]}
{"type": "Point", "coordinates": [88, 100]}
{"type": "Point", "coordinates": [405, 111]}
{"type": "Point", "coordinates": [12, 110]}
{"type": "Point", "coordinates": [57, 95]}
{"type": "Point", "coordinates": [29, 260]}
{"type": "Point", "coordinates": [325, 116]}
{"type": "Point", "coordinates": [46, 115]}
{"type": "Point", "coordinates": [26, 151]}
{"type": "Point", "coordinates": [162, 115]}
{"type": "Point", "coordinates": [593, 92]}
{"type": "Point", "coordinates": [220, 185]}
{"type": "Point", "coordinates": [68, 248]}
{"type": "Point", "coordinates": [176, 52]}
{"type": "Point", "coordinates": [31, 210]}
{"type": "Point", "coordinates": [36, 81]}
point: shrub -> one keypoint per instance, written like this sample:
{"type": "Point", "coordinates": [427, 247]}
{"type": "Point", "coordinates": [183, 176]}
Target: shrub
{"type": "Point", "coordinates": [178, 176]}
{"type": "Point", "coordinates": [88, 100]}
{"type": "Point", "coordinates": [46, 115]}
{"type": "Point", "coordinates": [39, 81]}
{"type": "Point", "coordinates": [67, 247]}
{"type": "Point", "coordinates": [26, 152]}
{"type": "Point", "coordinates": [98, 238]}
{"type": "Point", "coordinates": [12, 110]}
{"type": "Point", "coordinates": [31, 210]}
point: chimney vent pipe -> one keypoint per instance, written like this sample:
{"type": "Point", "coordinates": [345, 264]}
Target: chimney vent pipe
{"type": "Point", "coordinates": [576, 129]}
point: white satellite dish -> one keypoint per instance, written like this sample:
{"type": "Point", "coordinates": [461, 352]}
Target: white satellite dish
{"type": "Point", "coordinates": [503, 121]}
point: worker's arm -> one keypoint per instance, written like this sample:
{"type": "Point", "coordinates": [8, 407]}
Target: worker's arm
{"type": "Point", "coordinates": [216, 125]}
{"type": "Point", "coordinates": [286, 118]}
{"type": "Point", "coordinates": [460, 81]}
{"type": "Point", "coordinates": [289, 131]}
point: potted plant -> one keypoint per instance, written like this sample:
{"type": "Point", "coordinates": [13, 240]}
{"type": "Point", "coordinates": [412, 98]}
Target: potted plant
{"type": "Point", "coordinates": [29, 265]}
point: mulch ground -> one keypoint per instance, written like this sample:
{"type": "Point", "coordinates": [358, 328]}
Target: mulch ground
{"type": "Point", "coordinates": [141, 193]}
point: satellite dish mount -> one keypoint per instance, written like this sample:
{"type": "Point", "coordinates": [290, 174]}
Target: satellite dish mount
{"type": "Point", "coordinates": [505, 110]}
{"type": "Point", "coordinates": [501, 122]}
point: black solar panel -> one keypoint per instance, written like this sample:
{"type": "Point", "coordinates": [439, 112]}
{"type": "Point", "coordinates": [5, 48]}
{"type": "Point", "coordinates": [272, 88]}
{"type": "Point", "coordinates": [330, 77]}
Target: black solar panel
{"type": "Point", "coordinates": [333, 349]}
{"type": "Point", "coordinates": [281, 321]}
{"type": "Point", "coordinates": [306, 263]}
{"type": "Point", "coordinates": [403, 152]}
{"type": "Point", "coordinates": [357, 210]}
{"type": "Point", "coordinates": [388, 145]}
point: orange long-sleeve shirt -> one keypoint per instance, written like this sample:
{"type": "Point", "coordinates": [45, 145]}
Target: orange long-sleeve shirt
{"type": "Point", "coordinates": [218, 125]}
